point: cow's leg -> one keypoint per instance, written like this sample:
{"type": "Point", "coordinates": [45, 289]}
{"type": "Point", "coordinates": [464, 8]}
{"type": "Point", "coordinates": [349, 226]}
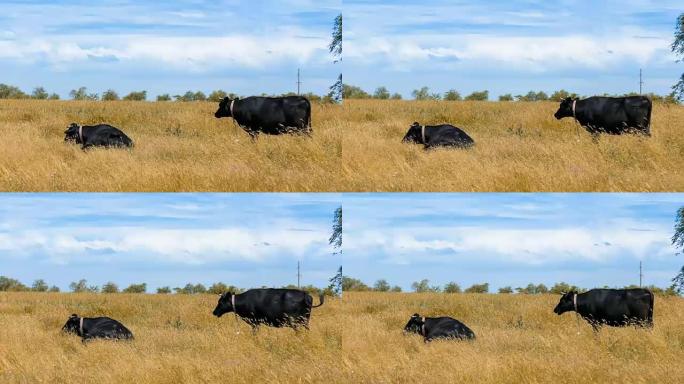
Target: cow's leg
{"type": "Point", "coordinates": [255, 328]}
{"type": "Point", "coordinates": [253, 135]}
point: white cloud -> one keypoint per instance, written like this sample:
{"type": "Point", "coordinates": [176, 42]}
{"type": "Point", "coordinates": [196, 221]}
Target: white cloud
{"type": "Point", "coordinates": [526, 246]}
{"type": "Point", "coordinates": [184, 246]}
{"type": "Point", "coordinates": [528, 52]}
{"type": "Point", "coordinates": [193, 52]}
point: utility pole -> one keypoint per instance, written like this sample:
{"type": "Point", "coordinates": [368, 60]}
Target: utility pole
{"type": "Point", "coordinates": [299, 275]}
{"type": "Point", "coordinates": [641, 82]}
{"type": "Point", "coordinates": [641, 275]}
{"type": "Point", "coordinates": [299, 83]}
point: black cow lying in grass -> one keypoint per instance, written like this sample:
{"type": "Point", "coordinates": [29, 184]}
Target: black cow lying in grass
{"type": "Point", "coordinates": [268, 306]}
{"type": "Point", "coordinates": [438, 328]}
{"type": "Point", "coordinates": [101, 135]}
{"type": "Point", "coordinates": [612, 307]}
{"type": "Point", "coordinates": [96, 328]}
{"type": "Point", "coordinates": [432, 136]}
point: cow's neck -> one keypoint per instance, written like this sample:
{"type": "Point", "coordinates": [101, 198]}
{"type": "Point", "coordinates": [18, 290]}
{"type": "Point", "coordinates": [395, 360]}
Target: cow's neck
{"type": "Point", "coordinates": [80, 326]}
{"type": "Point", "coordinates": [422, 133]}
{"type": "Point", "coordinates": [423, 326]}
{"type": "Point", "coordinates": [80, 135]}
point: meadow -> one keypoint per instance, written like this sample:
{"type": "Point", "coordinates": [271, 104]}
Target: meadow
{"type": "Point", "coordinates": [520, 146]}
{"type": "Point", "coordinates": [178, 147]}
{"type": "Point", "coordinates": [519, 340]}
{"type": "Point", "coordinates": [177, 340]}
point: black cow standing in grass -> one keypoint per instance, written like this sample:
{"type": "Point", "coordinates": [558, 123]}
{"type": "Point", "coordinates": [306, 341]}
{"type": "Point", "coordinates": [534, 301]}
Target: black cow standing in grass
{"type": "Point", "coordinates": [269, 306]}
{"type": "Point", "coordinates": [613, 307]}
{"type": "Point", "coordinates": [432, 136]}
{"type": "Point", "coordinates": [269, 115]}
{"type": "Point", "coordinates": [96, 328]}
{"type": "Point", "coordinates": [611, 115]}
{"type": "Point", "coordinates": [102, 135]}
{"type": "Point", "coordinates": [438, 328]}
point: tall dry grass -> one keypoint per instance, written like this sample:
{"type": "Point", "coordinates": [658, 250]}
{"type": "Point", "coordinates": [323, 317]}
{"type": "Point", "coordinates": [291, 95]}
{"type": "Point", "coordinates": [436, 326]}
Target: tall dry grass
{"type": "Point", "coordinates": [177, 340]}
{"type": "Point", "coordinates": [519, 147]}
{"type": "Point", "coordinates": [178, 147]}
{"type": "Point", "coordinates": [519, 340]}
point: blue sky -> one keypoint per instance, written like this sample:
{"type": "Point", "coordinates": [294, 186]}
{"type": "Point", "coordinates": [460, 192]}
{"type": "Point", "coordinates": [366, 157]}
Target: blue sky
{"type": "Point", "coordinates": [588, 47]}
{"type": "Point", "coordinates": [505, 239]}
{"type": "Point", "coordinates": [247, 240]}
{"type": "Point", "coordinates": [239, 46]}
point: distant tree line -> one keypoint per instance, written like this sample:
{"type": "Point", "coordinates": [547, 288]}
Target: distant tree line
{"type": "Point", "coordinates": [355, 285]}
{"type": "Point", "coordinates": [424, 93]}
{"type": "Point", "coordinates": [12, 285]}
{"type": "Point", "coordinates": [82, 93]}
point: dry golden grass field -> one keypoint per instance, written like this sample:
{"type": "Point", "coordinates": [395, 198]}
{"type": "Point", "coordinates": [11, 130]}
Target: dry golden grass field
{"type": "Point", "coordinates": [178, 147]}
{"type": "Point", "coordinates": [518, 340]}
{"type": "Point", "coordinates": [519, 147]}
{"type": "Point", "coordinates": [177, 340]}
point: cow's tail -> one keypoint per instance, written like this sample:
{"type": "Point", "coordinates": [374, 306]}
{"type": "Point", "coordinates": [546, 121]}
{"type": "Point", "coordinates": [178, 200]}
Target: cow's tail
{"type": "Point", "coordinates": [648, 117]}
{"type": "Point", "coordinates": [309, 130]}
{"type": "Point", "coordinates": [321, 297]}
{"type": "Point", "coordinates": [649, 315]}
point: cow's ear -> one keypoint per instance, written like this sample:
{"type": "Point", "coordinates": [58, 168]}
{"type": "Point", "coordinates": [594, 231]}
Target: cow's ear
{"type": "Point", "coordinates": [415, 124]}
{"type": "Point", "coordinates": [73, 315]}
{"type": "Point", "coordinates": [415, 315]}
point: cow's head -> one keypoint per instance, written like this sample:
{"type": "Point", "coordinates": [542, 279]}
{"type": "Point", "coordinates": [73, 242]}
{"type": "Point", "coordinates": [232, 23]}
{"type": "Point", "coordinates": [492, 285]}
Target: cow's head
{"type": "Point", "coordinates": [72, 325]}
{"type": "Point", "coordinates": [224, 108]}
{"type": "Point", "coordinates": [566, 303]}
{"type": "Point", "coordinates": [414, 134]}
{"type": "Point", "coordinates": [565, 108]}
{"type": "Point", "coordinates": [224, 305]}
{"type": "Point", "coordinates": [414, 325]}
{"type": "Point", "coordinates": [71, 133]}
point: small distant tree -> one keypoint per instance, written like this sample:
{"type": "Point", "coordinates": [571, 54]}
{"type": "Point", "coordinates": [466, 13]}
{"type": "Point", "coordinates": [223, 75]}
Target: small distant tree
{"type": "Point", "coordinates": [541, 289]}
{"type": "Point", "coordinates": [452, 95]}
{"type": "Point", "coordinates": [541, 96]}
{"type": "Point", "coordinates": [110, 95]}
{"type": "Point", "coordinates": [452, 287]}
{"type": "Point", "coordinates": [424, 94]}
{"type": "Point", "coordinates": [82, 94]}
{"type": "Point", "coordinates": [199, 288]}
{"type": "Point", "coordinates": [506, 289]}
{"type": "Point", "coordinates": [478, 288]}
{"type": "Point", "coordinates": [11, 92]}
{"type": "Point", "coordinates": [217, 95]}
{"type": "Point", "coordinates": [424, 286]}
{"type": "Point", "coordinates": [562, 287]}
{"type": "Point", "coordinates": [39, 93]}
{"type": "Point", "coordinates": [354, 92]}
{"type": "Point", "coordinates": [381, 93]}
{"type": "Point", "coordinates": [506, 97]}
{"type": "Point", "coordinates": [12, 285]}
{"type": "Point", "coordinates": [199, 96]}
{"type": "Point", "coordinates": [381, 286]}
{"type": "Point", "coordinates": [351, 284]}
{"type": "Point", "coordinates": [136, 96]}
{"type": "Point", "coordinates": [110, 287]}
{"type": "Point", "coordinates": [164, 290]}
{"type": "Point", "coordinates": [136, 288]}
{"type": "Point", "coordinates": [53, 96]}
{"type": "Point", "coordinates": [478, 96]}
{"type": "Point", "coordinates": [217, 288]}
{"type": "Point", "coordinates": [39, 286]}
{"type": "Point", "coordinates": [396, 288]}
{"type": "Point", "coordinates": [164, 97]}
{"type": "Point", "coordinates": [54, 288]}
{"type": "Point", "coordinates": [82, 286]}
{"type": "Point", "coordinates": [395, 96]}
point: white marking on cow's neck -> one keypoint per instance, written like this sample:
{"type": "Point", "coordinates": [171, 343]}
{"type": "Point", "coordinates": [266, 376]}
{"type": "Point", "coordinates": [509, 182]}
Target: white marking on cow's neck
{"type": "Point", "coordinates": [231, 108]}
{"type": "Point", "coordinates": [232, 302]}
{"type": "Point", "coordinates": [80, 326]}
{"type": "Point", "coordinates": [574, 303]}
{"type": "Point", "coordinates": [80, 133]}
{"type": "Point", "coordinates": [423, 326]}
{"type": "Point", "coordinates": [574, 104]}
{"type": "Point", "coordinates": [422, 133]}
